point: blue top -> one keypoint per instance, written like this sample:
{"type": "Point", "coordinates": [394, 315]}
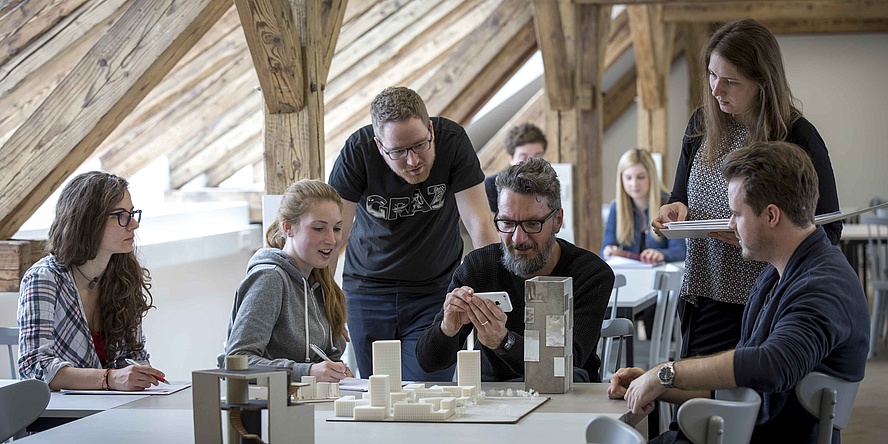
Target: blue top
{"type": "Point", "coordinates": [673, 249]}
{"type": "Point", "coordinates": [814, 318]}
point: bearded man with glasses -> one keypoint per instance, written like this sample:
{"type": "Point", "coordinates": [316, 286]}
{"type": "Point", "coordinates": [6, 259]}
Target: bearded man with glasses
{"type": "Point", "coordinates": [405, 181]}
{"type": "Point", "coordinates": [529, 217]}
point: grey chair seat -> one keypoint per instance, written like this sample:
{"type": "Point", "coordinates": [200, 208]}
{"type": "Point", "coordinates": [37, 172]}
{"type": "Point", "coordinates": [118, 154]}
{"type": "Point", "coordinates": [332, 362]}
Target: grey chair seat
{"type": "Point", "coordinates": [20, 404]}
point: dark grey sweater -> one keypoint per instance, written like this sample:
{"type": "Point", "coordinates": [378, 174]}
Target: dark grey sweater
{"type": "Point", "coordinates": [277, 313]}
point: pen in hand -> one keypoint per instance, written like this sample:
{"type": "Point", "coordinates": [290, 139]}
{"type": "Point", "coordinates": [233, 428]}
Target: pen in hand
{"type": "Point", "coordinates": [132, 362]}
{"type": "Point", "coordinates": [324, 356]}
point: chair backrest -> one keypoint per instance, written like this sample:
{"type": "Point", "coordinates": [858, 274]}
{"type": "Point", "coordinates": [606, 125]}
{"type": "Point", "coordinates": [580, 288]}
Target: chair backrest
{"type": "Point", "coordinates": [829, 399]}
{"type": "Point", "coordinates": [9, 337]}
{"type": "Point", "coordinates": [607, 430]}
{"type": "Point", "coordinates": [21, 403]}
{"type": "Point", "coordinates": [877, 248]}
{"type": "Point", "coordinates": [619, 282]}
{"type": "Point", "coordinates": [728, 419]}
{"type": "Point", "coordinates": [668, 286]}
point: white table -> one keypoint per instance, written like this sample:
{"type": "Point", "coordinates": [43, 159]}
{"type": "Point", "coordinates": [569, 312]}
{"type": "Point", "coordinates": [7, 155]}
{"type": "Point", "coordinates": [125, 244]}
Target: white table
{"type": "Point", "coordinates": [79, 406]}
{"type": "Point", "coordinates": [169, 419]}
{"type": "Point", "coordinates": [639, 294]}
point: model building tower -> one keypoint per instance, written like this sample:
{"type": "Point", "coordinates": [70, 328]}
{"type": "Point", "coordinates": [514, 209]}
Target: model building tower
{"type": "Point", "coordinates": [387, 361]}
{"type": "Point", "coordinates": [468, 364]}
{"type": "Point", "coordinates": [548, 334]}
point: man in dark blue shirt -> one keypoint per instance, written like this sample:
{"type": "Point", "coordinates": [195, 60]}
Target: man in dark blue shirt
{"type": "Point", "coordinates": [806, 312]}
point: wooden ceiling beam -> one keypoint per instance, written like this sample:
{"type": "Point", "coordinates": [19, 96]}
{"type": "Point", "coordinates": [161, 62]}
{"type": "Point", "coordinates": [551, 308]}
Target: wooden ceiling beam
{"type": "Point", "coordinates": [492, 77]}
{"type": "Point", "coordinates": [29, 22]}
{"type": "Point", "coordinates": [246, 105]}
{"type": "Point", "coordinates": [218, 73]}
{"type": "Point", "coordinates": [356, 8]}
{"type": "Point", "coordinates": [246, 153]}
{"type": "Point", "coordinates": [341, 82]}
{"type": "Point", "coordinates": [347, 111]}
{"type": "Point", "coordinates": [619, 40]}
{"type": "Point", "coordinates": [22, 61]}
{"type": "Point", "coordinates": [104, 87]}
{"type": "Point", "coordinates": [332, 15]}
{"type": "Point", "coordinates": [827, 26]}
{"type": "Point", "coordinates": [474, 53]}
{"type": "Point", "coordinates": [386, 31]}
{"type": "Point", "coordinates": [276, 48]}
{"type": "Point", "coordinates": [193, 166]}
{"type": "Point", "coordinates": [767, 10]}
{"type": "Point", "coordinates": [357, 25]}
{"type": "Point", "coordinates": [24, 88]}
{"type": "Point", "coordinates": [550, 39]}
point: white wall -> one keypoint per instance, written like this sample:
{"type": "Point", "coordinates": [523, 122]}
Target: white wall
{"type": "Point", "coordinates": [186, 330]}
{"type": "Point", "coordinates": [839, 80]}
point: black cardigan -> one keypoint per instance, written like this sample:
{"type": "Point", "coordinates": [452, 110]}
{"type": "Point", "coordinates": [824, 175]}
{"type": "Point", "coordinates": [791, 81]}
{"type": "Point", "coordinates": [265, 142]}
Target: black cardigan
{"type": "Point", "coordinates": [801, 133]}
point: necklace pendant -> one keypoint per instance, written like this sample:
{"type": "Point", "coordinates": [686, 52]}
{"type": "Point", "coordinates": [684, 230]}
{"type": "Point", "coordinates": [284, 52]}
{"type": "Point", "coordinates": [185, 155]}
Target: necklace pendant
{"type": "Point", "coordinates": [92, 284]}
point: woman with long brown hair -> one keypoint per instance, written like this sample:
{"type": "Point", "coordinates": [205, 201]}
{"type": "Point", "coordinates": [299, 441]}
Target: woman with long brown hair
{"type": "Point", "coordinates": [747, 100]}
{"type": "Point", "coordinates": [81, 307]}
{"type": "Point", "coordinates": [288, 300]}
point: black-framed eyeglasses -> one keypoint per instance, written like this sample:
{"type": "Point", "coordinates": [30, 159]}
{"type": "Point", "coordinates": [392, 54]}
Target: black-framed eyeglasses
{"type": "Point", "coordinates": [401, 153]}
{"type": "Point", "coordinates": [124, 217]}
{"type": "Point", "coordinates": [530, 226]}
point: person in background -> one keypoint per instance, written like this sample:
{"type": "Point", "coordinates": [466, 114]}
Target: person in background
{"type": "Point", "coordinates": [530, 216]}
{"type": "Point", "coordinates": [627, 230]}
{"type": "Point", "coordinates": [807, 311]}
{"type": "Point", "coordinates": [749, 101]}
{"type": "Point", "coordinates": [406, 181]}
{"type": "Point", "coordinates": [288, 300]}
{"type": "Point", "coordinates": [81, 307]}
{"type": "Point", "coordinates": [522, 142]}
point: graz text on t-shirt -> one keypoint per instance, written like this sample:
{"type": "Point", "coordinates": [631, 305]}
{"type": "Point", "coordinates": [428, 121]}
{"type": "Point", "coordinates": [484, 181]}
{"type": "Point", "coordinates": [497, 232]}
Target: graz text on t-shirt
{"type": "Point", "coordinates": [395, 207]}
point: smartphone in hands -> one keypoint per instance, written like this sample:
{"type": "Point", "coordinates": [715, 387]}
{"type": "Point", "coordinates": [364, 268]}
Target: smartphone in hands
{"type": "Point", "coordinates": [500, 298]}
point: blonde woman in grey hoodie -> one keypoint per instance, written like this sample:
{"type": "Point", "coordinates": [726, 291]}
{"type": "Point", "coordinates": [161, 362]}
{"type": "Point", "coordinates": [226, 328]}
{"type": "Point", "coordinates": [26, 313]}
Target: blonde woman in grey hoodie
{"type": "Point", "coordinates": [288, 300]}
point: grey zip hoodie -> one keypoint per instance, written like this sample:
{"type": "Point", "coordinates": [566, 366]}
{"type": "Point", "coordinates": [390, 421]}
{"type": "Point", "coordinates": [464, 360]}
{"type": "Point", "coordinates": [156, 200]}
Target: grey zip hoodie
{"type": "Point", "coordinates": [277, 313]}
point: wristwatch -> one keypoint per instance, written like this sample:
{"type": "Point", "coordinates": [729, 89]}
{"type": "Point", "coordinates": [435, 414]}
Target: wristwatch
{"type": "Point", "coordinates": [508, 343]}
{"type": "Point", "coordinates": [667, 374]}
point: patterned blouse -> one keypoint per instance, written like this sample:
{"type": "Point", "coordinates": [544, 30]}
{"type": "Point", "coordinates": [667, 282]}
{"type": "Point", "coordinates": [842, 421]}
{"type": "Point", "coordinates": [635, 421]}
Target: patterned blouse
{"type": "Point", "coordinates": [53, 331]}
{"type": "Point", "coordinates": [715, 269]}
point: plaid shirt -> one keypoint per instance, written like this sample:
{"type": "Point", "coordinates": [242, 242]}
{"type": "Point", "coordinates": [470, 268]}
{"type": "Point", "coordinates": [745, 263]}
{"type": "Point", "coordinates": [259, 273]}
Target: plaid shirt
{"type": "Point", "coordinates": [53, 331]}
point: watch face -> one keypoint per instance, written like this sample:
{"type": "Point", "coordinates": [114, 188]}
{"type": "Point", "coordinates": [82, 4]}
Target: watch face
{"type": "Point", "coordinates": [666, 375]}
{"type": "Point", "coordinates": [509, 342]}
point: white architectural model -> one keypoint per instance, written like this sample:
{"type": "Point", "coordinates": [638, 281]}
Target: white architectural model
{"type": "Point", "coordinates": [317, 390]}
{"type": "Point", "coordinates": [387, 361]}
{"type": "Point", "coordinates": [386, 399]}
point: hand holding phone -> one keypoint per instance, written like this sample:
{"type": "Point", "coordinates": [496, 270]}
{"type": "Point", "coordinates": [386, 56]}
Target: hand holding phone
{"type": "Point", "coordinates": [500, 298]}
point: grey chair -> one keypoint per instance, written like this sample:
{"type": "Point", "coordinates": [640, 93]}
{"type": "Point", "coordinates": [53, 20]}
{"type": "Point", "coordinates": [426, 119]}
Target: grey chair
{"type": "Point", "coordinates": [877, 254]}
{"type": "Point", "coordinates": [21, 403]}
{"type": "Point", "coordinates": [665, 340]}
{"type": "Point", "coordinates": [727, 419]}
{"type": "Point", "coordinates": [9, 337]}
{"type": "Point", "coordinates": [607, 430]}
{"type": "Point", "coordinates": [829, 399]}
{"type": "Point", "coordinates": [611, 328]}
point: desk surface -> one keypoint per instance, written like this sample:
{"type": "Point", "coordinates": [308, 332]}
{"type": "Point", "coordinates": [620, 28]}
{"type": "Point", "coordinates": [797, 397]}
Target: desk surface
{"type": "Point", "coordinates": [856, 232]}
{"type": "Point", "coordinates": [78, 406]}
{"type": "Point", "coordinates": [169, 419]}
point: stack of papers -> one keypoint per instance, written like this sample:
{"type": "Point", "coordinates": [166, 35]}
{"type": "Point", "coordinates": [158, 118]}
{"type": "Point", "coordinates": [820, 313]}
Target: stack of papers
{"type": "Point", "coordinates": [701, 228]}
{"type": "Point", "coordinates": [624, 262]}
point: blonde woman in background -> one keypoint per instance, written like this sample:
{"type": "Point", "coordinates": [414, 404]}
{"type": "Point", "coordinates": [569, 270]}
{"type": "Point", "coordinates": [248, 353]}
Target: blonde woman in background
{"type": "Point", "coordinates": [627, 232]}
{"type": "Point", "coordinates": [288, 300]}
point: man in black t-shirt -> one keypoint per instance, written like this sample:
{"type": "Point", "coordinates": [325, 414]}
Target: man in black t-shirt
{"type": "Point", "coordinates": [406, 181]}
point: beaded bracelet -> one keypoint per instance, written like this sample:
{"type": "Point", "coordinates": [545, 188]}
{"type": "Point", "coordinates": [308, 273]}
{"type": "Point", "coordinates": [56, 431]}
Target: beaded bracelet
{"type": "Point", "coordinates": [105, 384]}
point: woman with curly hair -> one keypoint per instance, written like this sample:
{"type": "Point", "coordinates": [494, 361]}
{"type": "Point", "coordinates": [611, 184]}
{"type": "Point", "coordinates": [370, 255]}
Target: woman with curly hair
{"type": "Point", "coordinates": [81, 307]}
{"type": "Point", "coordinates": [288, 300]}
